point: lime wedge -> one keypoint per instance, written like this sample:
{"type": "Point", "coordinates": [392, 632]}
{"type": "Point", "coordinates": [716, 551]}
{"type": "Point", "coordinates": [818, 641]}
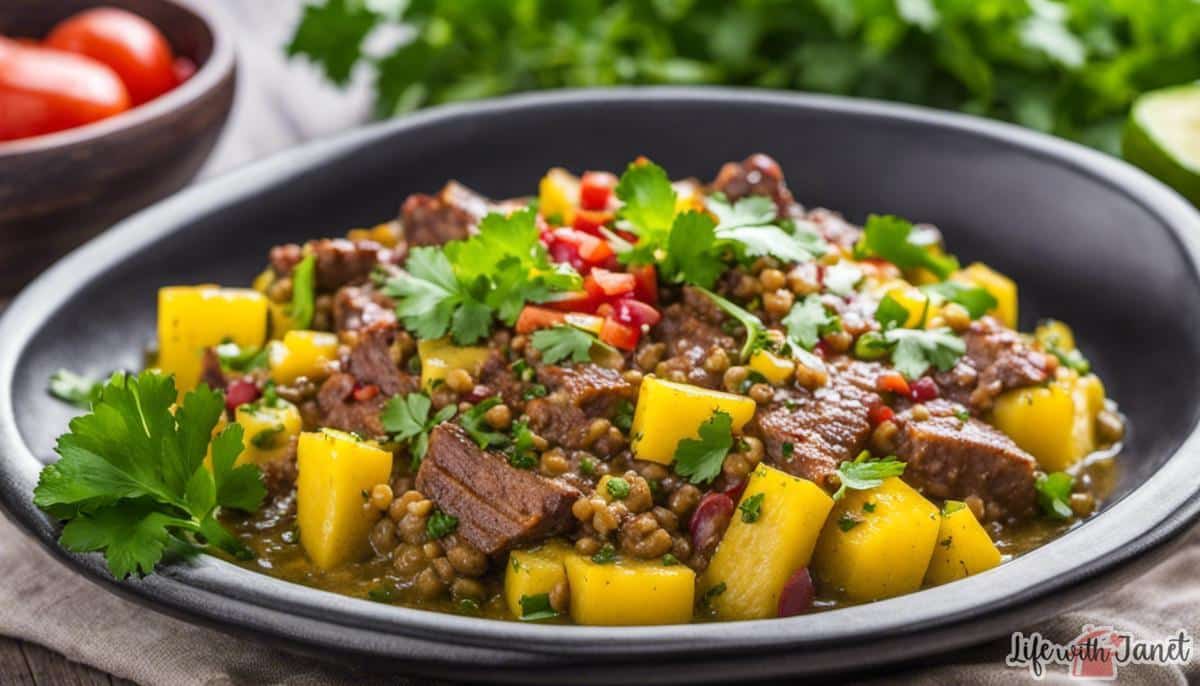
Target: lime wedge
{"type": "Point", "coordinates": [1163, 137]}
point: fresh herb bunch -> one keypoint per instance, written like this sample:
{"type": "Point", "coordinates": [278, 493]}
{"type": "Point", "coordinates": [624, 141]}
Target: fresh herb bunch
{"type": "Point", "coordinates": [132, 478]}
{"type": "Point", "coordinates": [1071, 67]}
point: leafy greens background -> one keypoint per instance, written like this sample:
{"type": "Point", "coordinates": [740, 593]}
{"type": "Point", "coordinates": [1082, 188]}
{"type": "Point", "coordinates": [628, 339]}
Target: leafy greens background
{"type": "Point", "coordinates": [1069, 67]}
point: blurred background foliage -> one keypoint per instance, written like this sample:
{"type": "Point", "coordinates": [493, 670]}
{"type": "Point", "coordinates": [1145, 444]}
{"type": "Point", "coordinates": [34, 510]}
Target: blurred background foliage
{"type": "Point", "coordinates": [1069, 67]}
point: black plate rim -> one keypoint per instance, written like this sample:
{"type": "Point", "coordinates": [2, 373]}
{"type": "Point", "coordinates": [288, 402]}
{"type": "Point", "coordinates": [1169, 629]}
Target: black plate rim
{"type": "Point", "coordinates": [1147, 520]}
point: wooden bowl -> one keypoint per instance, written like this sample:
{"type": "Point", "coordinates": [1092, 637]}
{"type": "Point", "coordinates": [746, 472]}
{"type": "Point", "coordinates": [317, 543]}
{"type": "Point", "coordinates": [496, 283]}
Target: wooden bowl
{"type": "Point", "coordinates": [58, 190]}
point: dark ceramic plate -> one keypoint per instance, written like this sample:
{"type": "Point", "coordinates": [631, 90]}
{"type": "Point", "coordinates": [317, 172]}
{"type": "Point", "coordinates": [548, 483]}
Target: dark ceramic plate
{"type": "Point", "coordinates": [1088, 238]}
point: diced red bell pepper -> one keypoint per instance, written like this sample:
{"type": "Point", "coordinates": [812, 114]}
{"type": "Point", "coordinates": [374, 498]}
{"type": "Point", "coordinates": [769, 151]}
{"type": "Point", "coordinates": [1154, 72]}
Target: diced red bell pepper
{"type": "Point", "coordinates": [365, 393]}
{"type": "Point", "coordinates": [608, 283]}
{"type": "Point", "coordinates": [533, 318]}
{"type": "Point", "coordinates": [574, 301]}
{"type": "Point", "coordinates": [646, 288]}
{"type": "Point", "coordinates": [893, 382]}
{"type": "Point", "coordinates": [596, 189]}
{"type": "Point", "coordinates": [590, 249]}
{"type": "Point", "coordinates": [618, 335]}
{"type": "Point", "coordinates": [590, 221]}
{"type": "Point", "coordinates": [635, 313]}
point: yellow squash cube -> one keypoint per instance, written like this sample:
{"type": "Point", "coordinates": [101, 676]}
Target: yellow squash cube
{"type": "Point", "coordinates": [281, 319]}
{"type": "Point", "coordinates": [558, 195]}
{"type": "Point", "coordinates": [963, 547]}
{"type": "Point", "coordinates": [533, 572]}
{"type": "Point", "coordinates": [755, 558]}
{"type": "Point", "coordinates": [668, 412]}
{"type": "Point", "coordinates": [1054, 423]}
{"type": "Point", "coordinates": [915, 301]}
{"type": "Point", "coordinates": [439, 357]}
{"type": "Point", "coordinates": [629, 592]}
{"type": "Point", "coordinates": [192, 318]}
{"type": "Point", "coordinates": [266, 431]}
{"type": "Point", "coordinates": [1002, 288]}
{"type": "Point", "coordinates": [775, 369]}
{"type": "Point", "coordinates": [1055, 334]}
{"type": "Point", "coordinates": [877, 543]}
{"type": "Point", "coordinates": [335, 469]}
{"type": "Point", "coordinates": [302, 353]}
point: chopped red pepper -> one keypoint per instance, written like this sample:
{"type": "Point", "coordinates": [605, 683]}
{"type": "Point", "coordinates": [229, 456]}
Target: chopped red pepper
{"type": "Point", "coordinates": [574, 301]}
{"type": "Point", "coordinates": [533, 318]}
{"type": "Point", "coordinates": [635, 313]}
{"type": "Point", "coordinates": [365, 393]}
{"type": "Point", "coordinates": [646, 288]}
{"type": "Point", "coordinates": [590, 221]}
{"type": "Point", "coordinates": [605, 283]}
{"type": "Point", "coordinates": [596, 189]}
{"type": "Point", "coordinates": [892, 382]}
{"type": "Point", "coordinates": [618, 335]}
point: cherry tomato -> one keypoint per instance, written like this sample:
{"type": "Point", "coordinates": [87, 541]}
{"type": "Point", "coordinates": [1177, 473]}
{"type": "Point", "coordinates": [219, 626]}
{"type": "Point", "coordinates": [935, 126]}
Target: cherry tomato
{"type": "Point", "coordinates": [132, 46]}
{"type": "Point", "coordinates": [618, 335]}
{"type": "Point", "coordinates": [595, 190]}
{"type": "Point", "coordinates": [576, 248]}
{"type": "Point", "coordinates": [534, 318]}
{"type": "Point", "coordinates": [43, 91]}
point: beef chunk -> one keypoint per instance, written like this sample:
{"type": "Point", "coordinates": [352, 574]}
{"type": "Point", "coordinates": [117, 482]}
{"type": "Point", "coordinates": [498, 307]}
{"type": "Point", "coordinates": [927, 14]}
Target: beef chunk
{"type": "Point", "coordinates": [436, 219]}
{"type": "Point", "coordinates": [758, 174]}
{"type": "Point", "coordinates": [339, 409]}
{"type": "Point", "coordinates": [497, 505]}
{"type": "Point", "coordinates": [996, 360]}
{"type": "Point", "coordinates": [498, 378]}
{"type": "Point", "coordinates": [355, 307]}
{"type": "Point", "coordinates": [371, 361]}
{"type": "Point", "coordinates": [339, 261]}
{"type": "Point", "coordinates": [210, 370]}
{"type": "Point", "coordinates": [824, 427]}
{"type": "Point", "coordinates": [690, 330]}
{"type": "Point", "coordinates": [950, 458]}
{"type": "Point", "coordinates": [578, 394]}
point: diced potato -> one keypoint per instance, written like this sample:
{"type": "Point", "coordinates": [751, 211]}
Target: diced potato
{"type": "Point", "coordinates": [558, 195]}
{"type": "Point", "coordinates": [774, 368]}
{"type": "Point", "coordinates": [266, 431]}
{"type": "Point", "coordinates": [755, 559]}
{"type": "Point", "coordinates": [439, 357]}
{"type": "Point", "coordinates": [963, 547]}
{"type": "Point", "coordinates": [335, 469]}
{"type": "Point", "coordinates": [192, 318]}
{"type": "Point", "coordinates": [533, 572]}
{"type": "Point", "coordinates": [877, 543]}
{"type": "Point", "coordinates": [1002, 288]}
{"type": "Point", "coordinates": [667, 412]}
{"type": "Point", "coordinates": [629, 592]}
{"type": "Point", "coordinates": [1054, 423]}
{"type": "Point", "coordinates": [302, 353]}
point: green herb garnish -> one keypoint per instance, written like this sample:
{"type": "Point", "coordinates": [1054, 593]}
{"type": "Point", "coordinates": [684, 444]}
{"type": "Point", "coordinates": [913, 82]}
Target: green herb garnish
{"type": "Point", "coordinates": [756, 332]}
{"type": "Point", "coordinates": [893, 239]}
{"type": "Point", "coordinates": [808, 321]}
{"type": "Point", "coordinates": [606, 555]}
{"type": "Point", "coordinates": [848, 521]}
{"type": "Point", "coordinates": [617, 487]}
{"type": "Point", "coordinates": [440, 525]}
{"type": "Point", "coordinates": [1054, 494]}
{"type": "Point", "coordinates": [72, 388]}
{"type": "Point", "coordinates": [564, 341]}
{"type": "Point", "coordinates": [476, 425]}
{"type": "Point", "coordinates": [304, 293]}
{"type": "Point", "coordinates": [865, 473]}
{"type": "Point", "coordinates": [974, 299]}
{"type": "Point", "coordinates": [406, 418]}
{"type": "Point", "coordinates": [751, 508]}
{"type": "Point", "coordinates": [700, 459]}
{"type": "Point", "coordinates": [536, 608]}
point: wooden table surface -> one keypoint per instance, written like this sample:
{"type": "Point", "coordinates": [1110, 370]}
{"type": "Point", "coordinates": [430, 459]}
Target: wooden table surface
{"type": "Point", "coordinates": [279, 104]}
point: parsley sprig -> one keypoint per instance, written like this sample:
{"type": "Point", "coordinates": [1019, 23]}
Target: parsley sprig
{"type": "Point", "coordinates": [750, 227]}
{"type": "Point", "coordinates": [564, 341]}
{"type": "Point", "coordinates": [894, 239]}
{"type": "Point", "coordinates": [700, 459]}
{"type": "Point", "coordinates": [459, 288]}
{"type": "Point", "coordinates": [865, 473]}
{"type": "Point", "coordinates": [406, 418]}
{"type": "Point", "coordinates": [131, 479]}
{"type": "Point", "coordinates": [808, 321]}
{"type": "Point", "coordinates": [913, 351]}
{"type": "Point", "coordinates": [974, 299]}
{"type": "Point", "coordinates": [1054, 494]}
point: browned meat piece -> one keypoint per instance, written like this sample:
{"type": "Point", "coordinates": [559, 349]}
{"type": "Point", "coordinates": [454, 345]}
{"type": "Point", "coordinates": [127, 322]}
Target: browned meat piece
{"type": "Point", "coordinates": [996, 360]}
{"type": "Point", "coordinates": [691, 331]}
{"type": "Point", "coordinates": [210, 370]}
{"type": "Point", "coordinates": [497, 505]}
{"type": "Point", "coordinates": [436, 219]}
{"type": "Point", "coordinates": [834, 228]}
{"type": "Point", "coordinates": [339, 409]}
{"type": "Point", "coordinates": [578, 394]}
{"type": "Point", "coordinates": [279, 476]}
{"type": "Point", "coordinates": [371, 361]}
{"type": "Point", "coordinates": [355, 307]}
{"type": "Point", "coordinates": [339, 261]}
{"type": "Point", "coordinates": [950, 458]}
{"type": "Point", "coordinates": [497, 378]}
{"type": "Point", "coordinates": [824, 427]}
{"type": "Point", "coordinates": [284, 258]}
{"type": "Point", "coordinates": [758, 174]}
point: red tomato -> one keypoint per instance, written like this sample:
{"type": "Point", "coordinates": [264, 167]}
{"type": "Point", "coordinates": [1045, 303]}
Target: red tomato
{"type": "Point", "coordinates": [633, 313]}
{"type": "Point", "coordinates": [43, 91]}
{"type": "Point", "coordinates": [580, 250]}
{"type": "Point", "coordinates": [575, 301]}
{"type": "Point", "coordinates": [184, 69]}
{"type": "Point", "coordinates": [132, 46]}
{"type": "Point", "coordinates": [618, 335]}
{"type": "Point", "coordinates": [590, 221]}
{"type": "Point", "coordinates": [892, 381]}
{"type": "Point", "coordinates": [533, 318]}
{"type": "Point", "coordinates": [879, 414]}
{"type": "Point", "coordinates": [595, 190]}
{"type": "Point", "coordinates": [646, 289]}
{"type": "Point", "coordinates": [611, 284]}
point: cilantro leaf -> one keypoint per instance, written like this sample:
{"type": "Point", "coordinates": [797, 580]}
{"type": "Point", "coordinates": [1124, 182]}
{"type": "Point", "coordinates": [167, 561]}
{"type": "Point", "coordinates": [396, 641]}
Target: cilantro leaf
{"type": "Point", "coordinates": [756, 332]}
{"type": "Point", "coordinates": [407, 419]}
{"type": "Point", "coordinates": [751, 508]}
{"type": "Point", "coordinates": [131, 477]}
{"type": "Point", "coordinates": [563, 341]}
{"type": "Point", "coordinates": [808, 320]}
{"type": "Point", "coordinates": [331, 35]}
{"type": "Point", "coordinates": [864, 473]}
{"type": "Point", "coordinates": [522, 454]}
{"type": "Point", "coordinates": [692, 254]}
{"type": "Point", "coordinates": [476, 425]}
{"type": "Point", "coordinates": [649, 200]}
{"type": "Point", "coordinates": [890, 313]}
{"type": "Point", "coordinates": [749, 225]}
{"type": "Point", "coordinates": [916, 350]}
{"type": "Point", "coordinates": [1054, 494]}
{"type": "Point", "coordinates": [700, 459]}
{"type": "Point", "coordinates": [974, 299]}
{"type": "Point", "coordinates": [72, 388]}
{"type": "Point", "coordinates": [893, 239]}
{"type": "Point", "coordinates": [304, 292]}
